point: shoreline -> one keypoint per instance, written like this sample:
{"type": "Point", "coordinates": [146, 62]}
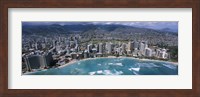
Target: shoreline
{"type": "Point", "coordinates": [69, 63]}
{"type": "Point", "coordinates": [175, 63]}
{"type": "Point", "coordinates": [74, 61]}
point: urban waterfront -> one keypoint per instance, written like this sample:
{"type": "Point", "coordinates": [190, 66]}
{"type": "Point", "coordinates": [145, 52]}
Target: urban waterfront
{"type": "Point", "coordinates": [87, 48]}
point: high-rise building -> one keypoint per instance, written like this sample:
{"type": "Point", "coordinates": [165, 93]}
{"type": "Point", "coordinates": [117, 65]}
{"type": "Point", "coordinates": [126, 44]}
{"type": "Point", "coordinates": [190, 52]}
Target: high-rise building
{"type": "Point", "coordinates": [94, 50]}
{"type": "Point", "coordinates": [130, 46]}
{"type": "Point", "coordinates": [123, 47]}
{"type": "Point", "coordinates": [74, 55]}
{"type": "Point", "coordinates": [157, 52]}
{"type": "Point", "coordinates": [36, 46]}
{"type": "Point", "coordinates": [162, 53]}
{"type": "Point", "coordinates": [145, 45]}
{"type": "Point", "coordinates": [49, 58]}
{"type": "Point", "coordinates": [76, 48]}
{"type": "Point", "coordinates": [100, 48]}
{"type": "Point", "coordinates": [45, 40]}
{"type": "Point", "coordinates": [148, 52]}
{"type": "Point", "coordinates": [54, 43]}
{"type": "Point", "coordinates": [89, 48]}
{"type": "Point", "coordinates": [109, 47]}
{"type": "Point", "coordinates": [135, 52]}
{"type": "Point", "coordinates": [117, 50]}
{"type": "Point", "coordinates": [86, 54]}
{"type": "Point", "coordinates": [35, 62]}
{"type": "Point", "coordinates": [142, 48]}
{"type": "Point", "coordinates": [76, 42]}
{"type": "Point", "coordinates": [136, 45]}
{"type": "Point", "coordinates": [28, 67]}
{"type": "Point", "coordinates": [59, 39]}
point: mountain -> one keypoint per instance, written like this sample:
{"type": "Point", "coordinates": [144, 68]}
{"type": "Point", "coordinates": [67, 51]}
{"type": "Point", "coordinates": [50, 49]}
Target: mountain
{"type": "Point", "coordinates": [103, 32]}
{"type": "Point", "coordinates": [64, 29]}
{"type": "Point", "coordinates": [68, 29]}
{"type": "Point", "coordinates": [169, 30]}
{"type": "Point", "coordinates": [44, 29]}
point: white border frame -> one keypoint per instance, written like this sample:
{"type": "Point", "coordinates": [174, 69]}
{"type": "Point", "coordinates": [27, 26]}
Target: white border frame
{"type": "Point", "coordinates": [182, 81]}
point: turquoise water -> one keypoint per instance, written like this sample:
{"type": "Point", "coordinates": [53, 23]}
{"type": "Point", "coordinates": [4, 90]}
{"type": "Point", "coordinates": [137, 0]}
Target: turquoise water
{"type": "Point", "coordinates": [113, 66]}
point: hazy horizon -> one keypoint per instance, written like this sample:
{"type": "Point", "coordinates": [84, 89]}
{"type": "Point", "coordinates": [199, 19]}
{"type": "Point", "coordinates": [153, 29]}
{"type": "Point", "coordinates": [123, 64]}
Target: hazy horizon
{"type": "Point", "coordinates": [158, 25]}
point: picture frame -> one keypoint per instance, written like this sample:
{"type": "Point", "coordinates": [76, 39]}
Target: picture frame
{"type": "Point", "coordinates": [6, 4]}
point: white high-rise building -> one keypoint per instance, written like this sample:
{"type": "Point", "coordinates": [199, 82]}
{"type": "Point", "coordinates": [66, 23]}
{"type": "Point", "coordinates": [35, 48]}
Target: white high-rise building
{"type": "Point", "coordinates": [109, 47]}
{"type": "Point", "coordinates": [76, 42]}
{"type": "Point", "coordinates": [142, 48]}
{"type": "Point", "coordinates": [145, 46]}
{"type": "Point", "coordinates": [123, 47]}
{"type": "Point", "coordinates": [100, 48]}
{"type": "Point", "coordinates": [89, 48]}
{"type": "Point", "coordinates": [148, 52]}
{"type": "Point", "coordinates": [162, 53]}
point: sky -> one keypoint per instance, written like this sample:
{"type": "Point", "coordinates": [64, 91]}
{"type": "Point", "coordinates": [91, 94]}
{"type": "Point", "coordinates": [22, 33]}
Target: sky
{"type": "Point", "coordinates": [159, 25]}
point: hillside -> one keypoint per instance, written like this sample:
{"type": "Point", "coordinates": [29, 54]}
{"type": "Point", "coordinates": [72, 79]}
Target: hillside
{"type": "Point", "coordinates": [103, 32]}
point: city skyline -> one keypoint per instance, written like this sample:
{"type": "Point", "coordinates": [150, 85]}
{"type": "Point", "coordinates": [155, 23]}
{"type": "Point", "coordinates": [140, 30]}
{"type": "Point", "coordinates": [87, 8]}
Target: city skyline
{"type": "Point", "coordinates": [53, 45]}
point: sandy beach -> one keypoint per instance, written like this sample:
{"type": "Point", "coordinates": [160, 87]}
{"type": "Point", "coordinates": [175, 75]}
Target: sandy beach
{"type": "Point", "coordinates": [175, 63]}
{"type": "Point", "coordinates": [73, 61]}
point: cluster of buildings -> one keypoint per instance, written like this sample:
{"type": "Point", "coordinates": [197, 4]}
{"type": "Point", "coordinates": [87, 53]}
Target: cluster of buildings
{"type": "Point", "coordinates": [51, 52]}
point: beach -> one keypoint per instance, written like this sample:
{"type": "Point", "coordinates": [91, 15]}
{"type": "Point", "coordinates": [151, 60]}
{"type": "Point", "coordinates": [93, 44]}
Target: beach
{"type": "Point", "coordinates": [73, 61]}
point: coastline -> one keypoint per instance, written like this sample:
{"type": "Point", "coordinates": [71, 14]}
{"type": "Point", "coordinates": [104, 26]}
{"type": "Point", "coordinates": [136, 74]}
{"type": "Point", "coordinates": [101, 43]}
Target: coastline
{"type": "Point", "coordinates": [175, 63]}
{"type": "Point", "coordinates": [74, 61]}
{"type": "Point", "coordinates": [69, 63]}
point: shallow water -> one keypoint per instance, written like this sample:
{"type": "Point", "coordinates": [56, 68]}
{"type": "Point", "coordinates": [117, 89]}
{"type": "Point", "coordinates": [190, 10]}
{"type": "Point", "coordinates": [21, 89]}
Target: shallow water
{"type": "Point", "coordinates": [113, 66]}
